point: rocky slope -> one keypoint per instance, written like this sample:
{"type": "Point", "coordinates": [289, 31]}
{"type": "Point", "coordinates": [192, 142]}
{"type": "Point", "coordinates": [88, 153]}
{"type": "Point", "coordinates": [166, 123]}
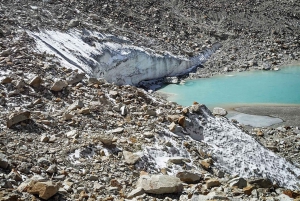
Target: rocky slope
{"type": "Point", "coordinates": [65, 136]}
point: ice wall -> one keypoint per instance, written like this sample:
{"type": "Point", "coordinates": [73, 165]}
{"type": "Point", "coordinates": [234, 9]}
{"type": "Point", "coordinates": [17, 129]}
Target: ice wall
{"type": "Point", "coordinates": [113, 58]}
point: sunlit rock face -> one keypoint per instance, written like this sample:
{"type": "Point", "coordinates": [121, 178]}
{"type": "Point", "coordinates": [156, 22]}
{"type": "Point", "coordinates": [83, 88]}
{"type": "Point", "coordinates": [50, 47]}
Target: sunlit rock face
{"type": "Point", "coordinates": [113, 58]}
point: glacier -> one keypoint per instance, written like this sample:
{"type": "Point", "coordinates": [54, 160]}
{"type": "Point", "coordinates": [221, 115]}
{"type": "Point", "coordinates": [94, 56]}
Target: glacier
{"type": "Point", "coordinates": [114, 58]}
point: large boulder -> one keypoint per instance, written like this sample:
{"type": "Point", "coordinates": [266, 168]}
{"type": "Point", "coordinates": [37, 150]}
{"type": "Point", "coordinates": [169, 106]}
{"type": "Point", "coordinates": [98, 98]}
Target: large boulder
{"type": "Point", "coordinates": [45, 190]}
{"type": "Point", "coordinates": [189, 177]}
{"type": "Point", "coordinates": [219, 111]}
{"type": "Point", "coordinates": [130, 158]}
{"type": "Point", "coordinates": [15, 118]}
{"type": "Point", "coordinates": [58, 85]}
{"type": "Point", "coordinates": [160, 184]}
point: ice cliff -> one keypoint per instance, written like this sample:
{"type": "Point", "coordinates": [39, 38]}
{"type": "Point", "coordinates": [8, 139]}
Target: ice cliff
{"type": "Point", "coordinates": [114, 58]}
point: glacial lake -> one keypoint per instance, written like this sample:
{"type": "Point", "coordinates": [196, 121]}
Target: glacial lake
{"type": "Point", "coordinates": [237, 89]}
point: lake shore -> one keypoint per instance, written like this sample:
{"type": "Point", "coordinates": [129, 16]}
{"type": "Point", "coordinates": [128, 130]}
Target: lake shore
{"type": "Point", "coordinates": [288, 113]}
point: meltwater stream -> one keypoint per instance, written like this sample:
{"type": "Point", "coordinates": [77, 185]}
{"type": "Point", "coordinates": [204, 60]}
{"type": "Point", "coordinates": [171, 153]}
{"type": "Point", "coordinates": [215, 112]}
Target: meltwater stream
{"type": "Point", "coordinates": [255, 87]}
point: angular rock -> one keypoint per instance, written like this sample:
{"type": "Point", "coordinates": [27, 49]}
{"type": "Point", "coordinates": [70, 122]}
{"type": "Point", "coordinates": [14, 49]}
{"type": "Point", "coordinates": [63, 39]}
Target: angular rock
{"type": "Point", "coordinates": [238, 182]}
{"type": "Point", "coordinates": [148, 135]}
{"type": "Point", "coordinates": [15, 118]}
{"type": "Point", "coordinates": [58, 85]}
{"type": "Point", "coordinates": [173, 118]}
{"type": "Point", "coordinates": [206, 163]}
{"type": "Point", "coordinates": [75, 78]}
{"type": "Point", "coordinates": [124, 110]}
{"type": "Point", "coordinates": [44, 138]}
{"type": "Point", "coordinates": [212, 183]}
{"type": "Point", "coordinates": [181, 121]}
{"type": "Point", "coordinates": [45, 190]}
{"type": "Point", "coordinates": [14, 175]}
{"type": "Point", "coordinates": [113, 94]}
{"type": "Point", "coordinates": [106, 139]}
{"type": "Point", "coordinates": [6, 80]}
{"type": "Point", "coordinates": [117, 130]}
{"type": "Point", "coordinates": [78, 104]}
{"type": "Point", "coordinates": [130, 158]}
{"type": "Point", "coordinates": [189, 177]}
{"type": "Point", "coordinates": [72, 134]}
{"type": "Point", "coordinates": [73, 23]}
{"type": "Point", "coordinates": [160, 184]}
{"type": "Point", "coordinates": [178, 160]}
{"type": "Point", "coordinates": [135, 193]}
{"type": "Point", "coordinates": [219, 111]}
{"type": "Point", "coordinates": [248, 190]}
{"type": "Point", "coordinates": [3, 161]}
{"type": "Point", "coordinates": [261, 183]}
{"type": "Point", "coordinates": [35, 81]}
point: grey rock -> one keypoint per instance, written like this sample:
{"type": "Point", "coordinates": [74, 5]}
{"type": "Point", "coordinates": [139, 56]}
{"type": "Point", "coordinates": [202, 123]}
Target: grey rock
{"type": "Point", "coordinates": [78, 104]}
{"type": "Point", "coordinates": [160, 184]}
{"type": "Point", "coordinates": [179, 160]}
{"type": "Point", "coordinates": [58, 85]}
{"type": "Point", "coordinates": [75, 78]}
{"type": "Point", "coordinates": [3, 161]}
{"type": "Point", "coordinates": [219, 111]}
{"type": "Point", "coordinates": [72, 134]}
{"type": "Point", "coordinates": [15, 118]}
{"type": "Point", "coordinates": [238, 182]}
{"type": "Point", "coordinates": [189, 177]}
{"type": "Point", "coordinates": [261, 183]}
{"type": "Point", "coordinates": [74, 23]}
{"type": "Point", "coordinates": [136, 192]}
{"type": "Point", "coordinates": [35, 81]}
{"type": "Point", "coordinates": [130, 158]}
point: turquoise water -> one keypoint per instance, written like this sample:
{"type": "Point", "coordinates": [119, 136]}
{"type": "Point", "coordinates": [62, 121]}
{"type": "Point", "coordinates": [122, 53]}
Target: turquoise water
{"type": "Point", "coordinates": [254, 87]}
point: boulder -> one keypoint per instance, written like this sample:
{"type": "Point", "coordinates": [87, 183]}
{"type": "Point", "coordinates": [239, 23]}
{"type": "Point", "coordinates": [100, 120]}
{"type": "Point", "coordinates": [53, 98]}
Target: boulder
{"type": "Point", "coordinates": [72, 134]}
{"type": "Point", "coordinates": [45, 190]}
{"type": "Point", "coordinates": [206, 163]}
{"type": "Point", "coordinates": [106, 139]}
{"type": "Point", "coordinates": [74, 23]}
{"type": "Point", "coordinates": [212, 183]}
{"type": "Point", "coordinates": [189, 177]}
{"type": "Point", "coordinates": [130, 158]}
{"type": "Point", "coordinates": [58, 85]}
{"type": "Point", "coordinates": [35, 81]}
{"type": "Point", "coordinates": [178, 160]}
{"type": "Point", "coordinates": [75, 78]}
{"type": "Point", "coordinates": [261, 183]}
{"type": "Point", "coordinates": [238, 182]}
{"type": "Point", "coordinates": [113, 94]}
{"type": "Point", "coordinates": [3, 161]}
{"type": "Point", "coordinates": [181, 121]}
{"type": "Point", "coordinates": [76, 105]}
{"type": "Point", "coordinates": [15, 118]}
{"type": "Point", "coordinates": [173, 118]}
{"type": "Point", "coordinates": [6, 80]}
{"type": "Point", "coordinates": [135, 192]}
{"type": "Point", "coordinates": [219, 111]}
{"type": "Point", "coordinates": [160, 184]}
